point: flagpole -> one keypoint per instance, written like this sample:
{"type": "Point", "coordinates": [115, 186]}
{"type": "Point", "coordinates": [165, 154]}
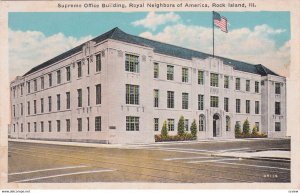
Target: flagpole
{"type": "Point", "coordinates": [213, 34]}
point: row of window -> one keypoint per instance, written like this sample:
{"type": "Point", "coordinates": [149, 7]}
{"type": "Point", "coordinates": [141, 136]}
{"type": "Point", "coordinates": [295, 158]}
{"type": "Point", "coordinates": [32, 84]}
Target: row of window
{"type": "Point", "coordinates": [132, 124]}
{"type": "Point", "coordinates": [214, 102]}
{"type": "Point", "coordinates": [58, 101]}
{"type": "Point", "coordinates": [59, 75]}
{"type": "Point", "coordinates": [214, 78]}
{"type": "Point", "coordinates": [42, 126]}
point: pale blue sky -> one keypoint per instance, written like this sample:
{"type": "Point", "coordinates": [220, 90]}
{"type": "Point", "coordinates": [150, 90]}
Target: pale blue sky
{"type": "Point", "coordinates": [255, 37]}
{"type": "Point", "coordinates": [94, 23]}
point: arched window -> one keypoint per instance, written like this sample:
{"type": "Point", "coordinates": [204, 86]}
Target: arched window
{"type": "Point", "coordinates": [201, 122]}
{"type": "Point", "coordinates": [227, 123]}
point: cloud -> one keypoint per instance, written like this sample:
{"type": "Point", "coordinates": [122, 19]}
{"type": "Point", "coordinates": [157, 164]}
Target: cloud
{"type": "Point", "coordinates": [257, 46]}
{"type": "Point", "coordinates": [28, 49]}
{"type": "Point", "coordinates": [153, 20]}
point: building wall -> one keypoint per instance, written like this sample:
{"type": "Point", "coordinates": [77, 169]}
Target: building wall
{"type": "Point", "coordinates": [113, 108]}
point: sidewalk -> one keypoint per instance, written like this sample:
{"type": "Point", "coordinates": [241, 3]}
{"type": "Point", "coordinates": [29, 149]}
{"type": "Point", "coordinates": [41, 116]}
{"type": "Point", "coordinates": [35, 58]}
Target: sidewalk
{"type": "Point", "coordinates": [85, 144]}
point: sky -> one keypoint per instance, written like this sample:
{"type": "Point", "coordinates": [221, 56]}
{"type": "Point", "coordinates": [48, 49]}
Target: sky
{"type": "Point", "coordinates": [254, 37]}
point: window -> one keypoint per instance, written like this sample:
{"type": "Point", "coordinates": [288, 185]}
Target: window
{"type": "Point", "coordinates": [214, 101]}
{"type": "Point", "coordinates": [248, 106]}
{"type": "Point", "coordinates": [156, 70]}
{"type": "Point", "coordinates": [79, 69]}
{"type": "Point", "coordinates": [256, 107]}
{"type": "Point", "coordinates": [214, 80]}
{"type": "Point", "coordinates": [14, 110]}
{"type": "Point", "coordinates": [28, 108]}
{"type": "Point", "coordinates": [42, 83]}
{"type": "Point", "coordinates": [200, 77]}
{"type": "Point", "coordinates": [238, 124]}
{"type": "Point", "coordinates": [58, 77]}
{"type": "Point", "coordinates": [21, 108]}
{"type": "Point", "coordinates": [185, 74]}
{"type": "Point", "coordinates": [50, 79]}
{"type": "Point", "coordinates": [277, 126]}
{"type": "Point", "coordinates": [227, 123]}
{"type": "Point", "coordinates": [49, 126]}
{"type": "Point", "coordinates": [42, 126]}
{"type": "Point", "coordinates": [185, 100]}
{"type": "Point", "coordinates": [256, 86]}
{"type": "Point", "coordinates": [34, 106]}
{"type": "Point", "coordinates": [88, 123]}
{"type": "Point", "coordinates": [14, 128]}
{"type": "Point", "coordinates": [98, 123]}
{"type": "Point", "coordinates": [186, 124]}
{"type": "Point", "coordinates": [277, 108]}
{"type": "Point", "coordinates": [49, 104]}
{"type": "Point", "coordinates": [132, 94]}
{"type": "Point", "coordinates": [170, 72]}
{"type": "Point", "coordinates": [277, 88]}
{"type": "Point", "coordinates": [88, 65]}
{"type": "Point", "coordinates": [156, 124]}
{"type": "Point", "coordinates": [237, 84]}
{"type": "Point", "coordinates": [238, 105]}
{"type": "Point", "coordinates": [35, 84]}
{"type": "Point", "coordinates": [79, 97]}
{"type": "Point", "coordinates": [88, 97]}
{"type": "Point", "coordinates": [132, 123]}
{"type": "Point", "coordinates": [79, 124]}
{"type": "Point", "coordinates": [42, 105]}
{"type": "Point", "coordinates": [68, 71]}
{"type": "Point", "coordinates": [28, 87]}
{"type": "Point", "coordinates": [58, 125]}
{"type": "Point", "coordinates": [156, 97]}
{"type": "Point", "coordinates": [226, 104]}
{"type": "Point", "coordinates": [257, 125]}
{"type": "Point", "coordinates": [21, 127]}
{"type": "Point", "coordinates": [58, 101]}
{"type": "Point", "coordinates": [170, 99]}
{"type": "Point", "coordinates": [98, 62]}
{"type": "Point", "coordinates": [68, 100]}
{"type": "Point", "coordinates": [98, 94]}
{"type": "Point", "coordinates": [132, 63]}
{"type": "Point", "coordinates": [28, 127]}
{"type": "Point", "coordinates": [201, 122]}
{"type": "Point", "coordinates": [226, 81]}
{"type": "Point", "coordinates": [200, 102]}
{"type": "Point", "coordinates": [68, 125]}
{"type": "Point", "coordinates": [247, 85]}
{"type": "Point", "coordinates": [171, 124]}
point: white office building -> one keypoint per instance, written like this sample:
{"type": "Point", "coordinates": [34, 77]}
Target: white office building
{"type": "Point", "coordinates": [120, 88]}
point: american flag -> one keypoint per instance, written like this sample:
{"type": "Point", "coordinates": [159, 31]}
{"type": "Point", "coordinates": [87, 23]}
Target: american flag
{"type": "Point", "coordinates": [220, 22]}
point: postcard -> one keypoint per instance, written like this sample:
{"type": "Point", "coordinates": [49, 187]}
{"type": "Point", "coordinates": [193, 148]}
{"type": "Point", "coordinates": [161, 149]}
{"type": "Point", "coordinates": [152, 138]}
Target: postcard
{"type": "Point", "coordinates": [150, 94]}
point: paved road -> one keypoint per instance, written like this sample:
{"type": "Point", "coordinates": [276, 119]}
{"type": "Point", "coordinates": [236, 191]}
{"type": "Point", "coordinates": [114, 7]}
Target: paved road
{"type": "Point", "coordinates": [172, 163]}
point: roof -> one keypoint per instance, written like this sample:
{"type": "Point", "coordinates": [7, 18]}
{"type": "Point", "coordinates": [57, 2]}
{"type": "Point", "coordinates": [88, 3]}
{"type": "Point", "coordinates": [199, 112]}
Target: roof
{"type": "Point", "coordinates": [161, 48]}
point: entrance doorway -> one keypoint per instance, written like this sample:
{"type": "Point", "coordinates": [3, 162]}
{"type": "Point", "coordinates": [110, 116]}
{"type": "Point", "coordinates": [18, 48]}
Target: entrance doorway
{"type": "Point", "coordinates": [216, 125]}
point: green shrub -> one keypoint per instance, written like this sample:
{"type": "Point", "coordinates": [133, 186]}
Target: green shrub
{"type": "Point", "coordinates": [237, 130]}
{"type": "Point", "coordinates": [254, 131]}
{"type": "Point", "coordinates": [246, 127]}
{"type": "Point", "coordinates": [180, 128]}
{"type": "Point", "coordinates": [194, 129]}
{"type": "Point", "coordinates": [164, 131]}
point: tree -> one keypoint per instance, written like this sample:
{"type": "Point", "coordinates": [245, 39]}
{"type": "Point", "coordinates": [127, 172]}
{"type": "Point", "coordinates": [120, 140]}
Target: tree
{"type": "Point", "coordinates": [246, 127]}
{"type": "Point", "coordinates": [254, 130]}
{"type": "Point", "coordinates": [194, 129]}
{"type": "Point", "coordinates": [237, 129]}
{"type": "Point", "coordinates": [164, 131]}
{"type": "Point", "coordinates": [180, 130]}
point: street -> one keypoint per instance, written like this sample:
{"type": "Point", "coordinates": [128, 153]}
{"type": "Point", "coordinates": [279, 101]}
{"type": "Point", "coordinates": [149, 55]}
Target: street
{"type": "Point", "coordinates": [192, 162]}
